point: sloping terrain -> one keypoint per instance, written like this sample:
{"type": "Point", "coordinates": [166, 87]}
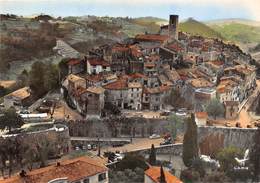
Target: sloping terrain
{"type": "Point", "coordinates": [195, 27]}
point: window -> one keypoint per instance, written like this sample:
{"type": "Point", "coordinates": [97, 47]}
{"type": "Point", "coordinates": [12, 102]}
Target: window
{"type": "Point", "coordinates": [101, 176]}
{"type": "Point", "coordinates": [86, 181]}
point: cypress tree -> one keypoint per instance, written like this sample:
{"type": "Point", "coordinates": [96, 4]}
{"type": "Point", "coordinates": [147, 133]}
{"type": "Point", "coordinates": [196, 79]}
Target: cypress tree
{"type": "Point", "coordinates": [152, 156]}
{"type": "Point", "coordinates": [162, 176]}
{"type": "Point", "coordinates": [190, 145]}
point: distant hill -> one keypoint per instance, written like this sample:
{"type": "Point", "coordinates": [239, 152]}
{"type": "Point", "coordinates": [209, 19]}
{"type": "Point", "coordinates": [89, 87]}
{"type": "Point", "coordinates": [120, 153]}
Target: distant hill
{"type": "Point", "coordinates": [233, 20]}
{"type": "Point", "coordinates": [237, 30]}
{"type": "Point", "coordinates": [150, 19]}
{"type": "Point", "coordinates": [198, 28]}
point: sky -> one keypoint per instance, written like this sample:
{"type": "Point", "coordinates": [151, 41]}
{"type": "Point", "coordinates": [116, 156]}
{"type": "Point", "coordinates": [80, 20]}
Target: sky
{"type": "Point", "coordinates": [199, 9]}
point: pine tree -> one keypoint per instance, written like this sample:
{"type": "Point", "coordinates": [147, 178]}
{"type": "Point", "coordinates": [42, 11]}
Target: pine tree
{"type": "Point", "coordinates": [152, 157]}
{"type": "Point", "coordinates": [190, 145]}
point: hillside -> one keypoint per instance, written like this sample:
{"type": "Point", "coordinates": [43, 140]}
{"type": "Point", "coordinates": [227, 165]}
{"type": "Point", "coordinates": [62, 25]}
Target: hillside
{"type": "Point", "coordinates": [238, 32]}
{"type": "Point", "coordinates": [197, 28]}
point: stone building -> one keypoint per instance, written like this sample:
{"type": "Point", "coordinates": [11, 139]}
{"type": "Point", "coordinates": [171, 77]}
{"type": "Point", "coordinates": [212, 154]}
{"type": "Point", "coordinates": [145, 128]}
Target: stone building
{"type": "Point", "coordinates": [232, 108]}
{"type": "Point", "coordinates": [18, 99]}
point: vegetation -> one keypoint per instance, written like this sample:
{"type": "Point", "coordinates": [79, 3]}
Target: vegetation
{"type": "Point", "coordinates": [215, 108]}
{"type": "Point", "coordinates": [10, 119]}
{"type": "Point", "coordinates": [197, 28]}
{"type": "Point", "coordinates": [176, 124]}
{"type": "Point", "coordinates": [254, 155]}
{"type": "Point", "coordinates": [238, 32]}
{"type": "Point", "coordinates": [127, 176]}
{"type": "Point", "coordinates": [152, 156]}
{"type": "Point", "coordinates": [190, 146]}
{"type": "Point", "coordinates": [43, 78]}
{"type": "Point", "coordinates": [23, 44]}
{"type": "Point", "coordinates": [22, 152]}
{"type": "Point", "coordinates": [132, 161]}
{"type": "Point", "coordinates": [226, 158]}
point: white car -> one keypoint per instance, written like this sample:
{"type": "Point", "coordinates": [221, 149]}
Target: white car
{"type": "Point", "coordinates": [118, 157]}
{"type": "Point", "coordinates": [154, 136]}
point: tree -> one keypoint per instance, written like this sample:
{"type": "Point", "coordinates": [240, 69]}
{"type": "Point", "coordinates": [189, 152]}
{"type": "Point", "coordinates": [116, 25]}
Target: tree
{"type": "Point", "coordinates": [226, 158]}
{"type": "Point", "coordinates": [162, 176]}
{"type": "Point", "coordinates": [175, 124]}
{"type": "Point", "coordinates": [23, 78]}
{"type": "Point", "coordinates": [215, 108]}
{"type": "Point", "coordinates": [36, 78]}
{"type": "Point", "coordinates": [132, 161]}
{"type": "Point", "coordinates": [10, 119]}
{"type": "Point", "coordinates": [255, 155]}
{"type": "Point", "coordinates": [51, 77]}
{"type": "Point", "coordinates": [152, 156]}
{"type": "Point", "coordinates": [190, 144]}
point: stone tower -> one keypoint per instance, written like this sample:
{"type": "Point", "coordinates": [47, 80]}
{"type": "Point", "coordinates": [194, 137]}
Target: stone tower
{"type": "Point", "coordinates": [173, 26]}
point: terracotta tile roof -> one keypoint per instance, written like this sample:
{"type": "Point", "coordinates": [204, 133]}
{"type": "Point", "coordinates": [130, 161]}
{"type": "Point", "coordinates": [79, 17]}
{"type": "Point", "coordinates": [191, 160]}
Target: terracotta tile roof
{"type": "Point", "coordinates": [96, 90]}
{"type": "Point", "coordinates": [201, 115]}
{"type": "Point", "coordinates": [95, 62]}
{"type": "Point", "coordinates": [73, 170]}
{"type": "Point", "coordinates": [7, 83]}
{"type": "Point", "coordinates": [217, 62]}
{"type": "Point", "coordinates": [137, 75]}
{"type": "Point", "coordinates": [120, 47]}
{"type": "Point", "coordinates": [175, 47]}
{"type": "Point", "coordinates": [73, 78]}
{"type": "Point", "coordinates": [151, 37]}
{"type": "Point", "coordinates": [154, 173]}
{"type": "Point", "coordinates": [73, 62]}
{"type": "Point", "coordinates": [21, 93]}
{"type": "Point", "coordinates": [200, 83]}
{"type": "Point", "coordinates": [120, 84]}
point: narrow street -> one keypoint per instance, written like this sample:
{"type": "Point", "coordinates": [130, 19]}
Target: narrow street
{"type": "Point", "coordinates": [244, 116]}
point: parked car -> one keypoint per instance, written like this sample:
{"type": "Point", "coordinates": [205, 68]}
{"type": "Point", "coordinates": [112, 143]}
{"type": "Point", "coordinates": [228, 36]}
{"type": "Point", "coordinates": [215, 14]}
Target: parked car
{"type": "Point", "coordinates": [154, 136]}
{"type": "Point", "coordinates": [77, 148]}
{"type": "Point", "coordinates": [165, 143]}
{"type": "Point", "coordinates": [89, 146]}
{"type": "Point", "coordinates": [94, 147]}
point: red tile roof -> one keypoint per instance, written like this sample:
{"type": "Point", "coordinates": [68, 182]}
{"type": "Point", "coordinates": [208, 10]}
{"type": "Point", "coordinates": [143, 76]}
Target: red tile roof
{"type": "Point", "coordinates": [95, 62]}
{"type": "Point", "coordinates": [120, 84]}
{"type": "Point", "coordinates": [201, 115]}
{"type": "Point", "coordinates": [73, 62]}
{"type": "Point", "coordinates": [151, 37]}
{"type": "Point", "coordinates": [73, 170]}
{"type": "Point", "coordinates": [154, 173]}
{"type": "Point", "coordinates": [137, 75]}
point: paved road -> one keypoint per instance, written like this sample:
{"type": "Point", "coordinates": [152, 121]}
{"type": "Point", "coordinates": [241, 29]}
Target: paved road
{"type": "Point", "coordinates": [137, 143]}
{"type": "Point", "coordinates": [100, 139]}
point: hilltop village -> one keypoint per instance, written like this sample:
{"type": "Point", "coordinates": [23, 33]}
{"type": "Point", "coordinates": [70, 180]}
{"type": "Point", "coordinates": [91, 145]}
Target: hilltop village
{"type": "Point", "coordinates": [169, 107]}
{"type": "Point", "coordinates": [141, 73]}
